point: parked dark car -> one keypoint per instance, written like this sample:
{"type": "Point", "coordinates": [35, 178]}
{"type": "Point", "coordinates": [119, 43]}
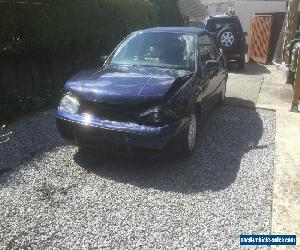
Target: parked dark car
{"type": "Point", "coordinates": [151, 93]}
{"type": "Point", "coordinates": [228, 35]}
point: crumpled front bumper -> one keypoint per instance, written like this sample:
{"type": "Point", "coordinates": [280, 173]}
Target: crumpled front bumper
{"type": "Point", "coordinates": [89, 131]}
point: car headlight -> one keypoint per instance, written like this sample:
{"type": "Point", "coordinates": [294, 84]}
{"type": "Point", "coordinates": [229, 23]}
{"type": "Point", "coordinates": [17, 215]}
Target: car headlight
{"type": "Point", "coordinates": [151, 115]}
{"type": "Point", "coordinates": [157, 115]}
{"type": "Point", "coordinates": [69, 104]}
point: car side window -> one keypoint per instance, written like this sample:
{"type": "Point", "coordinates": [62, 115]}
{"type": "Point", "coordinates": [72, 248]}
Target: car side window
{"type": "Point", "coordinates": [207, 49]}
{"type": "Point", "coordinates": [215, 50]}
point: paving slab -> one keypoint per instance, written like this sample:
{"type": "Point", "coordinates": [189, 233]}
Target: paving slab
{"type": "Point", "coordinates": [277, 95]}
{"type": "Point", "coordinates": [243, 86]}
{"type": "Point", "coordinates": [274, 94]}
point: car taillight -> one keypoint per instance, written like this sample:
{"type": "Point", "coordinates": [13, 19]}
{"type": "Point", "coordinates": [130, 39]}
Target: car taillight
{"type": "Point", "coordinates": [242, 39]}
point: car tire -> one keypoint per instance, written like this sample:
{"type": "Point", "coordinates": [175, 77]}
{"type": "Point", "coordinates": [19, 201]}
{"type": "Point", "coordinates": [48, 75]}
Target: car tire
{"type": "Point", "coordinates": [242, 61]}
{"type": "Point", "coordinates": [84, 149]}
{"type": "Point", "coordinates": [222, 96]}
{"type": "Point", "coordinates": [189, 136]}
{"type": "Point", "coordinates": [227, 38]}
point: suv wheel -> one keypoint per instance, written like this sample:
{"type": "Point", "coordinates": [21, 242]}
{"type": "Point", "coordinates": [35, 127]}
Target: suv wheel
{"type": "Point", "coordinates": [222, 96]}
{"type": "Point", "coordinates": [241, 61]}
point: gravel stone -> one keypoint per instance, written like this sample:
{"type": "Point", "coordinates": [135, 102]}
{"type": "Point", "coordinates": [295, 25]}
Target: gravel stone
{"type": "Point", "coordinates": [53, 196]}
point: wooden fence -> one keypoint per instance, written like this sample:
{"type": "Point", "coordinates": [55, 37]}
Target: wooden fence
{"type": "Point", "coordinates": [24, 75]}
{"type": "Point", "coordinates": [260, 37]}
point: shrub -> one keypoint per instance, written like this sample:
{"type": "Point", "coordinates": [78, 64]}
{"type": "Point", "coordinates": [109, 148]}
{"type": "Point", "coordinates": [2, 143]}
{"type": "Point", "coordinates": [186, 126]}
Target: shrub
{"type": "Point", "coordinates": [39, 29]}
{"type": "Point", "coordinates": [52, 25]}
{"type": "Point", "coordinates": [168, 13]}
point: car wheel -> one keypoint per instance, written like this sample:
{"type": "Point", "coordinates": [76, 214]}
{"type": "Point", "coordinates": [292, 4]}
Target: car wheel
{"type": "Point", "coordinates": [189, 136]}
{"type": "Point", "coordinates": [242, 61]}
{"type": "Point", "coordinates": [222, 96]}
{"type": "Point", "coordinates": [84, 149]}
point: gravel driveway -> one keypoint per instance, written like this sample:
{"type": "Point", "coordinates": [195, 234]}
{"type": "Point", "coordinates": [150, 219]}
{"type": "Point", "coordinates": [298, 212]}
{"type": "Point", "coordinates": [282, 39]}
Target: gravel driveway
{"type": "Point", "coordinates": [54, 197]}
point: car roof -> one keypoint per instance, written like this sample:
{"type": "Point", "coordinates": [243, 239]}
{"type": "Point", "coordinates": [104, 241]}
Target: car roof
{"type": "Point", "coordinates": [222, 16]}
{"type": "Point", "coordinates": [188, 30]}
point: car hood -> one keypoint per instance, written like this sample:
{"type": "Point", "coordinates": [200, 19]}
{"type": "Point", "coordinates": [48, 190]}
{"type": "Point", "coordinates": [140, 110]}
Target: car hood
{"type": "Point", "coordinates": [130, 85]}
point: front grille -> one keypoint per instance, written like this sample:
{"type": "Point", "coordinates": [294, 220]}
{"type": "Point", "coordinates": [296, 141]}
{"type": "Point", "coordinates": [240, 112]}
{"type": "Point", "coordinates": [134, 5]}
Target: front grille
{"type": "Point", "coordinates": [112, 112]}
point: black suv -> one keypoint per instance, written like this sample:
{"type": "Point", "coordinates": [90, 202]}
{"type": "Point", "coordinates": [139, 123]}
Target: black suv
{"type": "Point", "coordinates": [228, 34]}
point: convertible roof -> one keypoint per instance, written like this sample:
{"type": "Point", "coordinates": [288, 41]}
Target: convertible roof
{"type": "Point", "coordinates": [189, 30]}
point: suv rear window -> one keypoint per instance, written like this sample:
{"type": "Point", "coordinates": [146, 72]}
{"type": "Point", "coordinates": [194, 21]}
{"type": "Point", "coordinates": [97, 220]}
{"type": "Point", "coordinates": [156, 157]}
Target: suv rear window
{"type": "Point", "coordinates": [216, 25]}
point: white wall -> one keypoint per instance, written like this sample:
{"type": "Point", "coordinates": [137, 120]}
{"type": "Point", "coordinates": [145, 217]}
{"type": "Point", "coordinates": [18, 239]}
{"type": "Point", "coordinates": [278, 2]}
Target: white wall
{"type": "Point", "coordinates": [212, 10]}
{"type": "Point", "coordinates": [218, 7]}
{"type": "Point", "coordinates": [246, 9]}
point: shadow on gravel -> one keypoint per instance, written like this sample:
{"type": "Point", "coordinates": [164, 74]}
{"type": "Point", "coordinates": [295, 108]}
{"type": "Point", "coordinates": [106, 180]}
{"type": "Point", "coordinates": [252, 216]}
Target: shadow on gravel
{"type": "Point", "coordinates": [227, 135]}
{"type": "Point", "coordinates": [233, 101]}
{"type": "Point", "coordinates": [251, 68]}
{"type": "Point", "coordinates": [27, 139]}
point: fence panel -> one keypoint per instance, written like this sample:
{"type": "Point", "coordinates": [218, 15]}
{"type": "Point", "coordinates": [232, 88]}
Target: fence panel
{"type": "Point", "coordinates": [260, 36]}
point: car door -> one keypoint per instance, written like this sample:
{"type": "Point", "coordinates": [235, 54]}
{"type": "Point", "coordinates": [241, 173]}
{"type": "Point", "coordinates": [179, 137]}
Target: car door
{"type": "Point", "coordinates": [210, 75]}
{"type": "Point", "coordinates": [221, 74]}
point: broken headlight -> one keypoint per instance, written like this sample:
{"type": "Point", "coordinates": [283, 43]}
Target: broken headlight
{"type": "Point", "coordinates": [157, 115]}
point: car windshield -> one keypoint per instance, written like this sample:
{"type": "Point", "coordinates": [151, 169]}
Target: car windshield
{"type": "Point", "coordinates": [167, 50]}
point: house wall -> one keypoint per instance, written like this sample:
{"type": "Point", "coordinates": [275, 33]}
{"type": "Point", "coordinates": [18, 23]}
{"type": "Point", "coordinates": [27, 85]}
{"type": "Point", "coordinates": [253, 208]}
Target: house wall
{"type": "Point", "coordinates": [218, 8]}
{"type": "Point", "coordinates": [246, 9]}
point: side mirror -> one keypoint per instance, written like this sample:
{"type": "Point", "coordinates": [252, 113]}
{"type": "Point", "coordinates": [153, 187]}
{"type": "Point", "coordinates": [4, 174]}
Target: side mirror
{"type": "Point", "coordinates": [103, 58]}
{"type": "Point", "coordinates": [211, 65]}
{"type": "Point", "coordinates": [220, 51]}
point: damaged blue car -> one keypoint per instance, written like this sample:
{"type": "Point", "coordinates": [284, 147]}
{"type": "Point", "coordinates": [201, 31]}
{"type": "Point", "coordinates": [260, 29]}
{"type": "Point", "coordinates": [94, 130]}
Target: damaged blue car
{"type": "Point", "coordinates": [151, 93]}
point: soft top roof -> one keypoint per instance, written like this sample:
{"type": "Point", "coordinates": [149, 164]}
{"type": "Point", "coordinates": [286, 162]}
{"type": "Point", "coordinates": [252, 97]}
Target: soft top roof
{"type": "Point", "coordinates": [187, 30]}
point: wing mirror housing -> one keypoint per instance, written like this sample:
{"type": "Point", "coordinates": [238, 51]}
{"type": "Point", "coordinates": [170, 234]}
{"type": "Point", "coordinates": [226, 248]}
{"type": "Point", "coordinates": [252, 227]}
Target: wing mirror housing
{"type": "Point", "coordinates": [103, 59]}
{"type": "Point", "coordinates": [221, 51]}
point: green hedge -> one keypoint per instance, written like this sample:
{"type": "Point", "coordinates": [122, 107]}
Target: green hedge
{"type": "Point", "coordinates": [39, 29]}
{"type": "Point", "coordinates": [56, 25]}
{"type": "Point", "coordinates": [53, 25]}
{"type": "Point", "coordinates": [168, 13]}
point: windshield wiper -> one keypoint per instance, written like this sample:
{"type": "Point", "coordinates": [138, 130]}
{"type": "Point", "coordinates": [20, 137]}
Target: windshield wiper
{"type": "Point", "coordinates": [179, 68]}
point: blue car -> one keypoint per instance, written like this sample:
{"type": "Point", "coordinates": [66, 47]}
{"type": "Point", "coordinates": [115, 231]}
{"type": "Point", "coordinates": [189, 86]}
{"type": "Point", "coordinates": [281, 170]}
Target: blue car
{"type": "Point", "coordinates": [151, 93]}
